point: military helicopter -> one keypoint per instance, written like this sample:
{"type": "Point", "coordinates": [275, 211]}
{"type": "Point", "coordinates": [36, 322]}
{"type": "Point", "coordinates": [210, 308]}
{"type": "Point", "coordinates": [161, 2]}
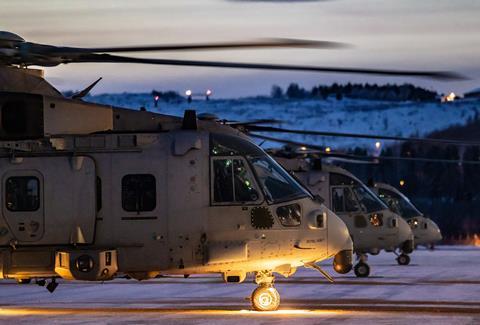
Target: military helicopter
{"type": "Point", "coordinates": [371, 224]}
{"type": "Point", "coordinates": [425, 230]}
{"type": "Point", "coordinates": [294, 159]}
{"type": "Point", "coordinates": [92, 192]}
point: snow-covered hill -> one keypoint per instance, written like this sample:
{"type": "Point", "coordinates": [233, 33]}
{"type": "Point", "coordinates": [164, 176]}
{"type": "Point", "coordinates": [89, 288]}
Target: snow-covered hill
{"type": "Point", "coordinates": [347, 115]}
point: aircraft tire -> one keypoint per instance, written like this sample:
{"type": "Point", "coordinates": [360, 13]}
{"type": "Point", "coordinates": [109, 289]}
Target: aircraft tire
{"type": "Point", "coordinates": [362, 270]}
{"type": "Point", "coordinates": [403, 259]}
{"type": "Point", "coordinates": [265, 298]}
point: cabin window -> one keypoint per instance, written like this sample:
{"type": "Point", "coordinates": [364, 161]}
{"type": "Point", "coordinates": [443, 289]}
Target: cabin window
{"type": "Point", "coordinates": [290, 215]}
{"type": "Point", "coordinates": [359, 221]}
{"type": "Point", "coordinates": [233, 181]}
{"type": "Point", "coordinates": [376, 219]}
{"type": "Point", "coordinates": [22, 193]}
{"type": "Point", "coordinates": [139, 193]}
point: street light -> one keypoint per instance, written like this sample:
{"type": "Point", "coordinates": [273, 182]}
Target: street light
{"type": "Point", "coordinates": [188, 93]}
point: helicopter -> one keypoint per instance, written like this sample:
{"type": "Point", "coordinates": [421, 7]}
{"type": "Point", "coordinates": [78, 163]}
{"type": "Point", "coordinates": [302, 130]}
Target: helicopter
{"type": "Point", "coordinates": [371, 224]}
{"type": "Point", "coordinates": [425, 230]}
{"type": "Point", "coordinates": [93, 192]}
{"type": "Point", "coordinates": [294, 155]}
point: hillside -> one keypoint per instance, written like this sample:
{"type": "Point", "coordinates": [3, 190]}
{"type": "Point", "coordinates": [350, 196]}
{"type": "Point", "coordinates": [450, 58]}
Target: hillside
{"type": "Point", "coordinates": [346, 115]}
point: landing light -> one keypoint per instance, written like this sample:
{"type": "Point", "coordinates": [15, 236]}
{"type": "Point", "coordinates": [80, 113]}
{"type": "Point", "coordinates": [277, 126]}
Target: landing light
{"type": "Point", "coordinates": [378, 144]}
{"type": "Point", "coordinates": [402, 182]}
{"type": "Point", "coordinates": [188, 92]}
{"type": "Point", "coordinates": [328, 149]}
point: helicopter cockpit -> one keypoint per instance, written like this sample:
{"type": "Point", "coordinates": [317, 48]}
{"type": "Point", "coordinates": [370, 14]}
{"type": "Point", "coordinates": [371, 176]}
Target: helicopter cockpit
{"type": "Point", "coordinates": [425, 230]}
{"type": "Point", "coordinates": [349, 195]}
{"type": "Point", "coordinates": [399, 203]}
{"type": "Point", "coordinates": [242, 172]}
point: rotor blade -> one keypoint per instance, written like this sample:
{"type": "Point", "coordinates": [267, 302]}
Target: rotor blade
{"type": "Point", "coordinates": [253, 44]}
{"type": "Point", "coordinates": [272, 129]}
{"type": "Point", "coordinates": [105, 58]}
{"type": "Point", "coordinates": [364, 158]}
{"type": "Point", "coordinates": [254, 122]}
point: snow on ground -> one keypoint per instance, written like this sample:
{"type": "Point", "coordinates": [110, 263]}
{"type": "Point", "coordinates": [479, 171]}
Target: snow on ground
{"type": "Point", "coordinates": [439, 287]}
{"type": "Point", "coordinates": [347, 115]}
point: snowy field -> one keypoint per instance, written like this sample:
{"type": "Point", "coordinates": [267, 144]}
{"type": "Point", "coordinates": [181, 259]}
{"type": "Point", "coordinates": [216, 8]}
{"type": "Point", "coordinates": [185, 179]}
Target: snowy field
{"type": "Point", "coordinates": [439, 287]}
{"type": "Point", "coordinates": [347, 115]}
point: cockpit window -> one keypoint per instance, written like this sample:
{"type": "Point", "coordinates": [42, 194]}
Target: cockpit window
{"type": "Point", "coordinates": [349, 195]}
{"type": "Point", "coordinates": [368, 200]}
{"type": "Point", "coordinates": [228, 145]}
{"type": "Point", "coordinates": [343, 200]}
{"type": "Point", "coordinates": [339, 179]}
{"type": "Point", "coordinates": [398, 203]}
{"type": "Point", "coordinates": [277, 185]}
{"type": "Point", "coordinates": [233, 181]}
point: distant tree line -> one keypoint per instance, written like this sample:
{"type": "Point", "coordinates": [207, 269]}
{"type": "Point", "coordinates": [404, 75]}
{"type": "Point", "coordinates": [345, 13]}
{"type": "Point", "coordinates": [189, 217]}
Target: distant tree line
{"type": "Point", "coordinates": [390, 92]}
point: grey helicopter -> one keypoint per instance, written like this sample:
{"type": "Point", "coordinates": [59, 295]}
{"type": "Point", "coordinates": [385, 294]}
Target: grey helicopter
{"type": "Point", "coordinates": [303, 158]}
{"type": "Point", "coordinates": [372, 226]}
{"type": "Point", "coordinates": [93, 192]}
{"type": "Point", "coordinates": [425, 230]}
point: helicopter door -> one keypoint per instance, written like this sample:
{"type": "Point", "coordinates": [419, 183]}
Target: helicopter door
{"type": "Point", "coordinates": [23, 208]}
{"type": "Point", "coordinates": [50, 200]}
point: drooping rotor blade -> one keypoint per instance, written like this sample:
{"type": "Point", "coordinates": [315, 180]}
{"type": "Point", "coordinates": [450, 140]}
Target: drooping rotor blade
{"type": "Point", "coordinates": [14, 50]}
{"type": "Point", "coordinates": [253, 44]}
{"type": "Point", "coordinates": [107, 58]}
{"type": "Point", "coordinates": [324, 153]}
{"type": "Point", "coordinates": [260, 128]}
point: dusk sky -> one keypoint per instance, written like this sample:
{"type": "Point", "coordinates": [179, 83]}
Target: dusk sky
{"type": "Point", "coordinates": [402, 34]}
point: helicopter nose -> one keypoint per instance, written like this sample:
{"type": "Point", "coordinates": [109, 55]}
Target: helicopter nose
{"type": "Point", "coordinates": [338, 236]}
{"type": "Point", "coordinates": [437, 234]}
{"type": "Point", "coordinates": [405, 236]}
{"type": "Point", "coordinates": [340, 244]}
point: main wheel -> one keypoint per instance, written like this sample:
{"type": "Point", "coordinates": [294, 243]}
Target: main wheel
{"type": "Point", "coordinates": [362, 270]}
{"type": "Point", "coordinates": [265, 298]}
{"type": "Point", "coordinates": [403, 259]}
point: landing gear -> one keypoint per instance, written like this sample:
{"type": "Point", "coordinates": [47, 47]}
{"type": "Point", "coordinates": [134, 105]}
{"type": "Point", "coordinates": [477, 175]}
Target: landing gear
{"type": "Point", "coordinates": [362, 269]}
{"type": "Point", "coordinates": [265, 297]}
{"type": "Point", "coordinates": [24, 281]}
{"type": "Point", "coordinates": [403, 259]}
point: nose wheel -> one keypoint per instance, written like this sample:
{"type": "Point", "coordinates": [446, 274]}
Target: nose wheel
{"type": "Point", "coordinates": [362, 269]}
{"type": "Point", "coordinates": [265, 297]}
{"type": "Point", "coordinates": [403, 259]}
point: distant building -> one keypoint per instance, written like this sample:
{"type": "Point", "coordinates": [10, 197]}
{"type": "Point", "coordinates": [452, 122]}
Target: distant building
{"type": "Point", "coordinates": [475, 93]}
